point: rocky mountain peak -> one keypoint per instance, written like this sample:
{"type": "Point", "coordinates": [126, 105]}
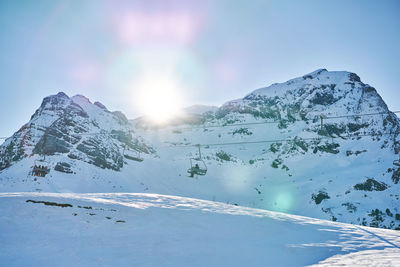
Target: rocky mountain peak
{"type": "Point", "coordinates": [314, 73]}
{"type": "Point", "coordinates": [76, 128]}
{"type": "Point", "coordinates": [269, 149]}
{"type": "Point", "coordinates": [121, 116]}
{"type": "Point", "coordinates": [80, 98]}
{"type": "Point", "coordinates": [58, 99]}
{"type": "Point", "coordinates": [61, 95]}
{"type": "Point", "coordinates": [323, 91]}
{"type": "Point", "coordinates": [100, 105]}
{"type": "Point", "coordinates": [320, 78]}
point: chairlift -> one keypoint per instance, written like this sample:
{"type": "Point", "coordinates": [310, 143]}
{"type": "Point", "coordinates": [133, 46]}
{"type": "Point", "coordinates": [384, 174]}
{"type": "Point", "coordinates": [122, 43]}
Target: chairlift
{"type": "Point", "coordinates": [41, 168]}
{"type": "Point", "coordinates": [136, 156]}
{"type": "Point", "coordinates": [197, 165]}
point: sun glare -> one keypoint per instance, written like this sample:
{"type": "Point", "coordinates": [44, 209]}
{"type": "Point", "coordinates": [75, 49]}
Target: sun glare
{"type": "Point", "coordinates": [159, 97]}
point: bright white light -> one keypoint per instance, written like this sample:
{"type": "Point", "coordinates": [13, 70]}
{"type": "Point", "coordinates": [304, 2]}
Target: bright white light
{"type": "Point", "coordinates": [159, 97]}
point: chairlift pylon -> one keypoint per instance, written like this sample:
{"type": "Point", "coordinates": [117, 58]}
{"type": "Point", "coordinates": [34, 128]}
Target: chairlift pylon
{"type": "Point", "coordinates": [195, 167]}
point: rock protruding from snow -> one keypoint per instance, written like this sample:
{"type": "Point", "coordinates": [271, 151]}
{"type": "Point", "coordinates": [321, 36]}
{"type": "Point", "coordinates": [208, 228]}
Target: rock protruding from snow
{"type": "Point", "coordinates": [76, 128]}
{"type": "Point", "coordinates": [269, 149]}
{"type": "Point", "coordinates": [100, 105]}
{"type": "Point", "coordinates": [322, 92]}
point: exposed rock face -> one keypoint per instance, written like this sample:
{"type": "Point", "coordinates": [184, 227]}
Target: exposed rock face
{"type": "Point", "coordinates": [371, 185]}
{"type": "Point", "coordinates": [63, 167]}
{"type": "Point", "coordinates": [332, 93]}
{"type": "Point", "coordinates": [75, 127]}
{"type": "Point", "coordinates": [301, 101]}
{"type": "Point", "coordinates": [341, 169]}
{"type": "Point", "coordinates": [318, 198]}
{"type": "Point", "coordinates": [100, 105]}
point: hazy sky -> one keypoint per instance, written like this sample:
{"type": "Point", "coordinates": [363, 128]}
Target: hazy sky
{"type": "Point", "coordinates": [211, 51]}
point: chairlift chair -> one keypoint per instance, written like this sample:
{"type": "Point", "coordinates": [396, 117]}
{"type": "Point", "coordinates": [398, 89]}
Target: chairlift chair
{"type": "Point", "coordinates": [41, 168]}
{"type": "Point", "coordinates": [195, 168]}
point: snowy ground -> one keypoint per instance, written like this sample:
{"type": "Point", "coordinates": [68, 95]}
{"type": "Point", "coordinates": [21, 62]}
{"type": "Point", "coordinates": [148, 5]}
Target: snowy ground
{"type": "Point", "coordinates": [124, 229]}
{"type": "Point", "coordinates": [255, 185]}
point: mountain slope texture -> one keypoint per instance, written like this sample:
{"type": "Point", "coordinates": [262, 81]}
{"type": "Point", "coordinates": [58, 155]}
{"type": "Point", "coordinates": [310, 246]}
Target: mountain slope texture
{"type": "Point", "coordinates": [321, 145]}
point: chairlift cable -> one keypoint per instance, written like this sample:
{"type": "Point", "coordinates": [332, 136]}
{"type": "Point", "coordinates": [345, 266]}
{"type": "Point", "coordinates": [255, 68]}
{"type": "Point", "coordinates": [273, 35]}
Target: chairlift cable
{"type": "Point", "coordinates": [322, 117]}
{"type": "Point", "coordinates": [277, 122]}
{"type": "Point", "coordinates": [280, 140]}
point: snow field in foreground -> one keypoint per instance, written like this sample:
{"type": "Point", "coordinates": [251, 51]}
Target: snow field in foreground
{"type": "Point", "coordinates": [125, 229]}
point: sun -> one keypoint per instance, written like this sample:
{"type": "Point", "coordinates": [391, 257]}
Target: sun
{"type": "Point", "coordinates": [159, 98]}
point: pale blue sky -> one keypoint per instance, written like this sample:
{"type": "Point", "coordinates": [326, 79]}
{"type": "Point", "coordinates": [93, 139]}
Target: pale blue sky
{"type": "Point", "coordinates": [215, 50]}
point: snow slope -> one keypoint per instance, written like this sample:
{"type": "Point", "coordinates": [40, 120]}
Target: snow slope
{"type": "Point", "coordinates": [123, 229]}
{"type": "Point", "coordinates": [344, 172]}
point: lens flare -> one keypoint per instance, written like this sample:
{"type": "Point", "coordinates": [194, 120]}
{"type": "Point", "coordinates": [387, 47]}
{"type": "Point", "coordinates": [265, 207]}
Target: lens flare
{"type": "Point", "coordinates": [138, 27]}
{"type": "Point", "coordinates": [237, 180]}
{"type": "Point", "coordinates": [159, 97]}
{"type": "Point", "coordinates": [283, 201]}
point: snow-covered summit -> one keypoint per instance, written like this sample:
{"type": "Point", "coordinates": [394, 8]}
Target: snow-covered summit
{"type": "Point", "coordinates": [316, 72]}
{"type": "Point", "coordinates": [317, 77]}
{"type": "Point", "coordinates": [80, 99]}
{"type": "Point", "coordinates": [100, 105]}
{"type": "Point", "coordinates": [76, 128]}
{"type": "Point", "coordinates": [268, 150]}
{"type": "Point", "coordinates": [331, 93]}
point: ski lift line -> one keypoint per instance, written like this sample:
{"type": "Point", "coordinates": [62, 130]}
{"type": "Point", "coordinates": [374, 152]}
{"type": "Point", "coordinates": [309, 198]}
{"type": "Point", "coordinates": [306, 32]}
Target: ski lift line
{"type": "Point", "coordinates": [279, 140]}
{"type": "Point", "coordinates": [360, 115]}
{"type": "Point", "coordinates": [249, 123]}
{"type": "Point", "coordinates": [276, 122]}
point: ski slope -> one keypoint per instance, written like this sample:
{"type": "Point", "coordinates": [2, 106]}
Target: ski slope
{"type": "Point", "coordinates": [269, 150]}
{"type": "Point", "coordinates": [137, 229]}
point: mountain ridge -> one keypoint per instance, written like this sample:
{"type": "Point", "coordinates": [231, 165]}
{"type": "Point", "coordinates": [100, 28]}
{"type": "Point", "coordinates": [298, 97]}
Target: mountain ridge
{"type": "Point", "coordinates": [338, 168]}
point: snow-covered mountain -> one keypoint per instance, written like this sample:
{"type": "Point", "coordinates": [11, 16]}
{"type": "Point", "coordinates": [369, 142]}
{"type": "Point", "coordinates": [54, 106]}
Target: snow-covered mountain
{"type": "Point", "coordinates": [78, 130]}
{"type": "Point", "coordinates": [200, 109]}
{"type": "Point", "coordinates": [339, 170]}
